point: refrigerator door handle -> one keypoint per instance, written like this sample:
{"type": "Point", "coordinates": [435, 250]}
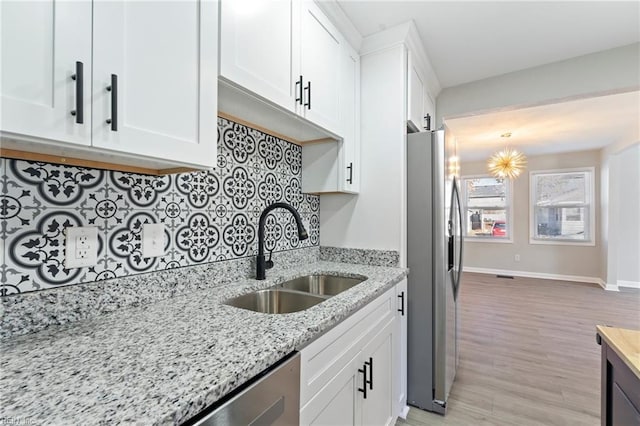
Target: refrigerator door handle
{"type": "Point", "coordinates": [457, 273]}
{"type": "Point", "coordinates": [450, 253]}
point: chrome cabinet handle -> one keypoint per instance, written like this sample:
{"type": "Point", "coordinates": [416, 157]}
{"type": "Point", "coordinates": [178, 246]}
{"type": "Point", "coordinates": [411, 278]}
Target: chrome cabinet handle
{"type": "Point", "coordinates": [78, 77]}
{"type": "Point", "coordinates": [401, 309]}
{"type": "Point", "coordinates": [113, 88]}
{"type": "Point", "coordinates": [350, 178]}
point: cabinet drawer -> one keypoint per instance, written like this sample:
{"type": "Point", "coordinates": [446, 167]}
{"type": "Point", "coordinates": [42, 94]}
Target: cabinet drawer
{"type": "Point", "coordinates": [325, 357]}
{"type": "Point", "coordinates": [336, 403]}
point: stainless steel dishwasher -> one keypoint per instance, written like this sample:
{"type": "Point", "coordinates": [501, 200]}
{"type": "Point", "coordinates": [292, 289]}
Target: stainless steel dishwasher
{"type": "Point", "coordinates": [271, 399]}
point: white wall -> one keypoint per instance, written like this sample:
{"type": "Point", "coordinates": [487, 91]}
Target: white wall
{"type": "Point", "coordinates": [569, 261]}
{"type": "Point", "coordinates": [609, 71]}
{"type": "Point", "coordinates": [376, 218]}
{"type": "Point", "coordinates": [621, 215]}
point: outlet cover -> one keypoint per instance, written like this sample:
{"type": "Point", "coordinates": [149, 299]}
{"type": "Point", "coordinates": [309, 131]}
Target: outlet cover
{"type": "Point", "coordinates": [152, 240]}
{"type": "Point", "coordinates": [81, 246]}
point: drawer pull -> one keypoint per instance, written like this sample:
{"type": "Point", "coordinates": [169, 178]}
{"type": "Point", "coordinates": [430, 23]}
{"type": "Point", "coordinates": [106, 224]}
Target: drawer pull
{"type": "Point", "coordinates": [401, 309]}
{"type": "Point", "coordinates": [350, 167]}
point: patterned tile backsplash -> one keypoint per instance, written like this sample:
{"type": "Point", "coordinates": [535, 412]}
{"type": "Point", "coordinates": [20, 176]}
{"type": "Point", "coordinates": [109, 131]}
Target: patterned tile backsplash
{"type": "Point", "coordinates": [209, 216]}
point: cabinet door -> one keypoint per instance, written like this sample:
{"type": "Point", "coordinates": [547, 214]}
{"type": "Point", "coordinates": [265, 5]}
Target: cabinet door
{"type": "Point", "coordinates": [350, 111]}
{"type": "Point", "coordinates": [320, 54]}
{"type": "Point", "coordinates": [339, 401]}
{"type": "Point", "coordinates": [378, 408]}
{"type": "Point", "coordinates": [164, 56]}
{"type": "Point", "coordinates": [256, 46]}
{"type": "Point", "coordinates": [41, 43]}
{"type": "Point", "coordinates": [429, 107]}
{"type": "Point", "coordinates": [400, 348]}
{"type": "Point", "coordinates": [415, 93]}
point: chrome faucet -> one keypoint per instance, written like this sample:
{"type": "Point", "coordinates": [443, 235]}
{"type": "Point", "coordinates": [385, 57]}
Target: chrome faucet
{"type": "Point", "coordinates": [261, 264]}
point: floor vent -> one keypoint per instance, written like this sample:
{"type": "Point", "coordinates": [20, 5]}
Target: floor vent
{"type": "Point", "coordinates": [505, 276]}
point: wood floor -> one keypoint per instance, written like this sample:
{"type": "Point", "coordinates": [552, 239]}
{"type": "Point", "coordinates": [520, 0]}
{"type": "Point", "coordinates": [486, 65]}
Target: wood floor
{"type": "Point", "coordinates": [528, 353]}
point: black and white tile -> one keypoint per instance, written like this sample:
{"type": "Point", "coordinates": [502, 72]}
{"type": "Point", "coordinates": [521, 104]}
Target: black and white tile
{"type": "Point", "coordinates": [208, 215]}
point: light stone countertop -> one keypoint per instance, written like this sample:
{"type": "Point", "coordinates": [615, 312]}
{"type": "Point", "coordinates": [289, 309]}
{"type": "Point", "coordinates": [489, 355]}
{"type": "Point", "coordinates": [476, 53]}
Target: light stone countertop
{"type": "Point", "coordinates": [164, 362]}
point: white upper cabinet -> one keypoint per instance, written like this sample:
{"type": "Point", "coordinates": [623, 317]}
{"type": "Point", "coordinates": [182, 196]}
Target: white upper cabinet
{"type": "Point", "coordinates": [127, 83]}
{"type": "Point", "coordinates": [350, 117]}
{"type": "Point", "coordinates": [258, 49]}
{"type": "Point", "coordinates": [421, 108]}
{"type": "Point", "coordinates": [154, 79]}
{"type": "Point", "coordinates": [44, 44]}
{"type": "Point", "coordinates": [286, 52]}
{"type": "Point", "coordinates": [320, 56]}
{"type": "Point", "coordinates": [416, 90]}
{"type": "Point", "coordinates": [429, 108]}
{"type": "Point", "coordinates": [330, 167]}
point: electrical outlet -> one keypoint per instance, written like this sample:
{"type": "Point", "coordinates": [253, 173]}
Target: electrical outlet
{"type": "Point", "coordinates": [152, 240]}
{"type": "Point", "coordinates": [81, 246]}
{"type": "Point", "coordinates": [517, 258]}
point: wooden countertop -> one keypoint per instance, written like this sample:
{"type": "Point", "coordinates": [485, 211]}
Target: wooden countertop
{"type": "Point", "coordinates": [625, 342]}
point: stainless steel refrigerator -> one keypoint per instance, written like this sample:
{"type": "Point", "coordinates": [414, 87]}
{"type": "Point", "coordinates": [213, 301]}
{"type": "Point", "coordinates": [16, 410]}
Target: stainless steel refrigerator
{"type": "Point", "coordinates": [434, 257]}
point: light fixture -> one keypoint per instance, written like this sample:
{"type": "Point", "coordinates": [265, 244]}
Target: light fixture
{"type": "Point", "coordinates": [507, 163]}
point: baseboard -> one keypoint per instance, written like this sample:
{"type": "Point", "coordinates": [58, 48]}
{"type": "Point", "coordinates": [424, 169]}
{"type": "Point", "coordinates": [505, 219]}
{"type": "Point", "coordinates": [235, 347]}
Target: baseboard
{"type": "Point", "coordinates": [544, 276]}
{"type": "Point", "coordinates": [632, 284]}
{"type": "Point", "coordinates": [404, 412]}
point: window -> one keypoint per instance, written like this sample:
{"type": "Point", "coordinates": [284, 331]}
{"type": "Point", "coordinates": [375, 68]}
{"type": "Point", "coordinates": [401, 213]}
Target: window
{"type": "Point", "coordinates": [487, 208]}
{"type": "Point", "coordinates": [562, 210]}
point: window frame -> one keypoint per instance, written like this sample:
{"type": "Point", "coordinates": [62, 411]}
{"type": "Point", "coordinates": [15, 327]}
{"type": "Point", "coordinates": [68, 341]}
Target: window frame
{"type": "Point", "coordinates": [508, 207]}
{"type": "Point", "coordinates": [589, 206]}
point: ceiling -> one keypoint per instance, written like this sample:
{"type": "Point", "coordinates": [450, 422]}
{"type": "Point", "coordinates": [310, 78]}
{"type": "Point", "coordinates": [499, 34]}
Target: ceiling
{"type": "Point", "coordinates": [472, 40]}
{"type": "Point", "coordinates": [584, 124]}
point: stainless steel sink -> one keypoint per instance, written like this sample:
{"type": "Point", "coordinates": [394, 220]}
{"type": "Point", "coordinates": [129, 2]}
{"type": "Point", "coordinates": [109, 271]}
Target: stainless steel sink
{"type": "Point", "coordinates": [275, 301]}
{"type": "Point", "coordinates": [325, 285]}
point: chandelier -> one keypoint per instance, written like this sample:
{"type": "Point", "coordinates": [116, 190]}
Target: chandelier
{"type": "Point", "coordinates": [507, 163]}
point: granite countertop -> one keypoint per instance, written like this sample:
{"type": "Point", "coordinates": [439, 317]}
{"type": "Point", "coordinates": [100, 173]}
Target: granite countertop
{"type": "Point", "coordinates": [164, 362]}
{"type": "Point", "coordinates": [626, 343]}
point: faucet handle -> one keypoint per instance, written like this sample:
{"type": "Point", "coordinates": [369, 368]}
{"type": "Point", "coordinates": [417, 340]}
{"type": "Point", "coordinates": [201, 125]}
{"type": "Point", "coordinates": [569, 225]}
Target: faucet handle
{"type": "Point", "coordinates": [269, 263]}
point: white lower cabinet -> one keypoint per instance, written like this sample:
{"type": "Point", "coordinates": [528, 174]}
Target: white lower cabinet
{"type": "Point", "coordinates": [338, 403]}
{"type": "Point", "coordinates": [347, 375]}
{"type": "Point", "coordinates": [400, 348]}
{"type": "Point", "coordinates": [377, 407]}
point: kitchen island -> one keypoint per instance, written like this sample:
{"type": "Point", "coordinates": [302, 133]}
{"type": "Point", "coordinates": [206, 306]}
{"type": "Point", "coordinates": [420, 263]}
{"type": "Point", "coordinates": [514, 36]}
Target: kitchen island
{"type": "Point", "coordinates": [620, 388]}
{"type": "Point", "coordinates": [163, 362]}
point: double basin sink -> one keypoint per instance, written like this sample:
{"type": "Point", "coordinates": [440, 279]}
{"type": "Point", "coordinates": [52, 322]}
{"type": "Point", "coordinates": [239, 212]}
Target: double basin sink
{"type": "Point", "coordinates": [295, 295]}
